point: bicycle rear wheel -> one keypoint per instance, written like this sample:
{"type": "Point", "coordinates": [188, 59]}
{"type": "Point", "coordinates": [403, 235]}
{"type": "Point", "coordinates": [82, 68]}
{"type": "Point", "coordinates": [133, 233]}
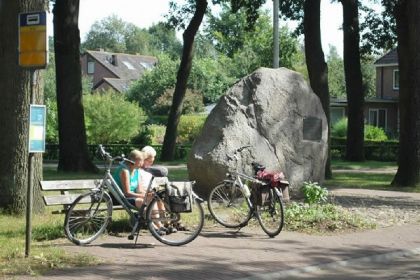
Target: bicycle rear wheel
{"type": "Point", "coordinates": [270, 213]}
{"type": "Point", "coordinates": [183, 227]}
{"type": "Point", "coordinates": [88, 217]}
{"type": "Point", "coordinates": [228, 205]}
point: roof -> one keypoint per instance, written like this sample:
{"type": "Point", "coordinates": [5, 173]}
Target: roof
{"type": "Point", "coordinates": [120, 85]}
{"type": "Point", "coordinates": [124, 66]}
{"type": "Point", "coordinates": [390, 58]}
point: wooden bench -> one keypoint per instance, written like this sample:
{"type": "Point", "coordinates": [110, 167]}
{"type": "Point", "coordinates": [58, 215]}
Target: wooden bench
{"type": "Point", "coordinates": [69, 190]}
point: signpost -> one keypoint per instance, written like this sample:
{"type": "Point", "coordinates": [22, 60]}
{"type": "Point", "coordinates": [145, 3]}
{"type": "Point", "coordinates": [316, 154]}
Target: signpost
{"type": "Point", "coordinates": [33, 55]}
{"type": "Point", "coordinates": [33, 44]}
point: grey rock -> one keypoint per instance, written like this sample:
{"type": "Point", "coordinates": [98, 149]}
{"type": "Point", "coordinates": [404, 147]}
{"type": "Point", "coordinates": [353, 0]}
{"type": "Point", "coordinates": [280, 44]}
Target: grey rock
{"type": "Point", "coordinates": [276, 114]}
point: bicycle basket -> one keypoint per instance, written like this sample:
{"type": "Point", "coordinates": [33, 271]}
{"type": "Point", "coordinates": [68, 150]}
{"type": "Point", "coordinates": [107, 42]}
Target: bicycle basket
{"type": "Point", "coordinates": [179, 195]}
{"type": "Point", "coordinates": [260, 193]}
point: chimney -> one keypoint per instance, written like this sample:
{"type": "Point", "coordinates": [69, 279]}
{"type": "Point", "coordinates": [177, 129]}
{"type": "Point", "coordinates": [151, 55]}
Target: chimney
{"type": "Point", "coordinates": [114, 60]}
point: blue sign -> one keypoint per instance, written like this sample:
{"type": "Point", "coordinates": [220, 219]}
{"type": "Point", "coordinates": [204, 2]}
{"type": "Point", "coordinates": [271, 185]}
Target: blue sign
{"type": "Point", "coordinates": [37, 121]}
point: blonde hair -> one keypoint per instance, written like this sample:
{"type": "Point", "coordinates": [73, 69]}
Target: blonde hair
{"type": "Point", "coordinates": [149, 151]}
{"type": "Point", "coordinates": [136, 154]}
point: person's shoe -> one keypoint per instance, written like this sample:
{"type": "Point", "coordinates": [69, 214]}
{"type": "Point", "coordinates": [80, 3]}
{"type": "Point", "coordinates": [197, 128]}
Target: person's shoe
{"type": "Point", "coordinates": [161, 231]}
{"type": "Point", "coordinates": [170, 230]}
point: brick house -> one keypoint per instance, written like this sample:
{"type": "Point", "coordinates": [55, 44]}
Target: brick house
{"type": "Point", "coordinates": [382, 110]}
{"type": "Point", "coordinates": [114, 70]}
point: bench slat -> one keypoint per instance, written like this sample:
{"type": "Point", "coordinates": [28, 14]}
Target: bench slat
{"type": "Point", "coordinates": [67, 185]}
{"type": "Point", "coordinates": [62, 199]}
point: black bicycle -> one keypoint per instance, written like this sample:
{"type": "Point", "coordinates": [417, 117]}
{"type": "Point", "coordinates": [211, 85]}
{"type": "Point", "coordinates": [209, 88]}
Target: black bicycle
{"type": "Point", "coordinates": [89, 215]}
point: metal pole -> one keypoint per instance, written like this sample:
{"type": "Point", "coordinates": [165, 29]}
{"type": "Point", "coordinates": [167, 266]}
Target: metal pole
{"type": "Point", "coordinates": [29, 194]}
{"type": "Point", "coordinates": [276, 43]}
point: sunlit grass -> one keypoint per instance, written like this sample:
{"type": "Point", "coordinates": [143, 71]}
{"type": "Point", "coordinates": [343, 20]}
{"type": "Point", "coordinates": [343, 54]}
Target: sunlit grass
{"type": "Point", "coordinates": [369, 164]}
{"type": "Point", "coordinates": [44, 254]}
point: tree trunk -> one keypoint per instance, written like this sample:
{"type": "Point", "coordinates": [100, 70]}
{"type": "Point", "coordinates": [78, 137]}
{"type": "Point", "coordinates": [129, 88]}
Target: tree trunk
{"type": "Point", "coordinates": [73, 154]}
{"type": "Point", "coordinates": [15, 88]}
{"type": "Point", "coordinates": [354, 84]}
{"type": "Point", "coordinates": [408, 34]}
{"type": "Point", "coordinates": [169, 142]}
{"type": "Point", "coordinates": [317, 67]}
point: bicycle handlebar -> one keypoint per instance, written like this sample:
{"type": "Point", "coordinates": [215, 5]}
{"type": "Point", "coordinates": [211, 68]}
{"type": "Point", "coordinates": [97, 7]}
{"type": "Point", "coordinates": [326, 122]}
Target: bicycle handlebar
{"type": "Point", "coordinates": [107, 155]}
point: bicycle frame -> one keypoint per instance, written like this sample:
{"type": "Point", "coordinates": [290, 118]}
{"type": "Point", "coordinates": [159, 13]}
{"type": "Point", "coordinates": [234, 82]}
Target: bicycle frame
{"type": "Point", "coordinates": [238, 179]}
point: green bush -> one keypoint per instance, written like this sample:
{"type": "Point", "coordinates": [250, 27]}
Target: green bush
{"type": "Point", "coordinates": [190, 127]}
{"type": "Point", "coordinates": [375, 133]}
{"type": "Point", "coordinates": [193, 102]}
{"type": "Point", "coordinates": [339, 129]}
{"type": "Point", "coordinates": [314, 193]}
{"type": "Point", "coordinates": [371, 132]}
{"type": "Point", "coordinates": [109, 118]}
{"type": "Point", "coordinates": [155, 133]}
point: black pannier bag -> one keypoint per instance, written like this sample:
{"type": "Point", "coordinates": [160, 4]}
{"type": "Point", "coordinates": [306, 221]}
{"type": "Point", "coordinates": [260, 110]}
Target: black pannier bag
{"type": "Point", "coordinates": [180, 196]}
{"type": "Point", "coordinates": [260, 193]}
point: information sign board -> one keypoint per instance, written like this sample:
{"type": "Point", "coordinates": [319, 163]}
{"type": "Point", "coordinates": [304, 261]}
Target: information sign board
{"type": "Point", "coordinates": [37, 121]}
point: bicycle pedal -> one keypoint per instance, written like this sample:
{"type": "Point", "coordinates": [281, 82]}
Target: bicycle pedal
{"type": "Point", "coordinates": [130, 237]}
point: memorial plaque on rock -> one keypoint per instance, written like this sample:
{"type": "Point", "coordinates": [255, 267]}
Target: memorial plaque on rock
{"type": "Point", "coordinates": [312, 129]}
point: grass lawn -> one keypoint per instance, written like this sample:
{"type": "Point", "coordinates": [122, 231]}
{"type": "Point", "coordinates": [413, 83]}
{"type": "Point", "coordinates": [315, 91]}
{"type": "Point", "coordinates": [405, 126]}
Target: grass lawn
{"type": "Point", "coordinates": [369, 164]}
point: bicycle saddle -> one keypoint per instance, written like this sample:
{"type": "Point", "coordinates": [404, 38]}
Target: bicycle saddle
{"type": "Point", "coordinates": [257, 167]}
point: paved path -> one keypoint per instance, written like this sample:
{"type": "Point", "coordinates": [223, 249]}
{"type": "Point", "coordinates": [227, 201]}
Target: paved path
{"type": "Point", "coordinates": [387, 253]}
{"type": "Point", "coordinates": [218, 253]}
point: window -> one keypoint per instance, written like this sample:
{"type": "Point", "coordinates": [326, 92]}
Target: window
{"type": "Point", "coordinates": [91, 67]}
{"type": "Point", "coordinates": [396, 79]}
{"type": "Point", "coordinates": [377, 117]}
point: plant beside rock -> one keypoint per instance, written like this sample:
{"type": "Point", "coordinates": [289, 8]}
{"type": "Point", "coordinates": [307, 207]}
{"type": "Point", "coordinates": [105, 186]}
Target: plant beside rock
{"type": "Point", "coordinates": [315, 215]}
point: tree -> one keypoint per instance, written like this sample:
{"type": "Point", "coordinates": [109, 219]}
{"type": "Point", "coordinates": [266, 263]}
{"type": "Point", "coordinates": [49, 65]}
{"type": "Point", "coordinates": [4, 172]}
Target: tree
{"type": "Point", "coordinates": [408, 25]}
{"type": "Point", "coordinates": [315, 61]}
{"type": "Point", "coordinates": [336, 83]}
{"type": "Point", "coordinates": [109, 34]}
{"type": "Point", "coordinates": [317, 67]}
{"type": "Point", "coordinates": [115, 35]}
{"type": "Point", "coordinates": [71, 126]}
{"type": "Point", "coordinates": [354, 81]}
{"type": "Point", "coordinates": [168, 149]}
{"type": "Point", "coordinates": [163, 40]}
{"type": "Point", "coordinates": [15, 84]}
{"type": "Point", "coordinates": [154, 83]}
{"type": "Point", "coordinates": [249, 48]}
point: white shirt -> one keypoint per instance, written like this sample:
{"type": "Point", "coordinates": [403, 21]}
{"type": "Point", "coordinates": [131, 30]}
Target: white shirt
{"type": "Point", "coordinates": [145, 178]}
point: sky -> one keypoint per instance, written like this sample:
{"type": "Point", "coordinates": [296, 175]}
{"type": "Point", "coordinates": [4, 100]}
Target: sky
{"type": "Point", "coordinates": [145, 13]}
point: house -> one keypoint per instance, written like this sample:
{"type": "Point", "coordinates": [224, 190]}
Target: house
{"type": "Point", "coordinates": [114, 70]}
{"type": "Point", "coordinates": [382, 110]}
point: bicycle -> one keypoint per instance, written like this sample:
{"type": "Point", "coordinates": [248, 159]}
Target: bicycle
{"type": "Point", "coordinates": [90, 214]}
{"type": "Point", "coordinates": [232, 204]}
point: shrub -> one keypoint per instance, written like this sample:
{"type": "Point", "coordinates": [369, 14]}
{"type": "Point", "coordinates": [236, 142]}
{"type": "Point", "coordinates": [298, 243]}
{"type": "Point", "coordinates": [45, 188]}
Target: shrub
{"type": "Point", "coordinates": [375, 133]}
{"type": "Point", "coordinates": [371, 132]}
{"type": "Point", "coordinates": [339, 129]}
{"type": "Point", "coordinates": [314, 193]}
{"type": "Point", "coordinates": [190, 127]}
{"type": "Point", "coordinates": [109, 118]}
{"type": "Point", "coordinates": [193, 103]}
{"type": "Point", "coordinates": [156, 133]}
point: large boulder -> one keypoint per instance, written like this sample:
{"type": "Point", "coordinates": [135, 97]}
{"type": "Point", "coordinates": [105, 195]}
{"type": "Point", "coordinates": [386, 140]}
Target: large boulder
{"type": "Point", "coordinates": [276, 114]}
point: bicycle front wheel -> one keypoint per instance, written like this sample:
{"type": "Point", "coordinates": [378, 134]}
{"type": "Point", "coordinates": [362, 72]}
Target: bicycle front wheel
{"type": "Point", "coordinates": [88, 217]}
{"type": "Point", "coordinates": [228, 205]}
{"type": "Point", "coordinates": [270, 213]}
{"type": "Point", "coordinates": [182, 228]}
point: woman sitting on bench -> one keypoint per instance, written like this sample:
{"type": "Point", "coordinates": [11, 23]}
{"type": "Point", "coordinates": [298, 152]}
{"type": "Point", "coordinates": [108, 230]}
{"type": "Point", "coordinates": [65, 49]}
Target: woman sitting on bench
{"type": "Point", "coordinates": [127, 175]}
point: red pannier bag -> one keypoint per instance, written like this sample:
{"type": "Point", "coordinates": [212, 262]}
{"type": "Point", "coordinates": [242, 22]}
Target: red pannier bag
{"type": "Point", "coordinates": [273, 178]}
